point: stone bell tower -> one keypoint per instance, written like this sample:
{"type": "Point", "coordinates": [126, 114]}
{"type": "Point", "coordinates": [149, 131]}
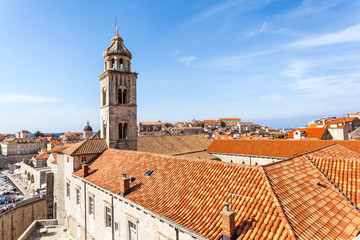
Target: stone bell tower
{"type": "Point", "coordinates": [118, 109]}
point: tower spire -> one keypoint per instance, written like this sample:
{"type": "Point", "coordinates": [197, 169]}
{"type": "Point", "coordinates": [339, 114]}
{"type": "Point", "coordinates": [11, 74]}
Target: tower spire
{"type": "Point", "coordinates": [116, 30]}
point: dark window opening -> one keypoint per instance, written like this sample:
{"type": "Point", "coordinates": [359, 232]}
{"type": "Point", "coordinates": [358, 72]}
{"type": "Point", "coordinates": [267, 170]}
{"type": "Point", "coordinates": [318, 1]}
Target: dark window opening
{"type": "Point", "coordinates": [149, 172]}
{"type": "Point", "coordinates": [112, 63]}
{"type": "Point", "coordinates": [121, 63]}
{"type": "Point", "coordinates": [123, 131]}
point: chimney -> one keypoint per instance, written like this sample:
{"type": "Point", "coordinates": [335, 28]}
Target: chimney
{"type": "Point", "coordinates": [124, 185]}
{"type": "Point", "coordinates": [227, 223]}
{"type": "Point", "coordinates": [85, 169]}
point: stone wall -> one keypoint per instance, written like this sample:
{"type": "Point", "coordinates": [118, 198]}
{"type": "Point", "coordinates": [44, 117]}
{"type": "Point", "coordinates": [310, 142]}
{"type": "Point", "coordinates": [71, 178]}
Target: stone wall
{"type": "Point", "coordinates": [246, 159]}
{"type": "Point", "coordinates": [15, 221]}
{"type": "Point", "coordinates": [5, 160]}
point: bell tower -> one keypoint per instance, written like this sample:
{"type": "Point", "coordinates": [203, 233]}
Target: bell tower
{"type": "Point", "coordinates": [118, 109]}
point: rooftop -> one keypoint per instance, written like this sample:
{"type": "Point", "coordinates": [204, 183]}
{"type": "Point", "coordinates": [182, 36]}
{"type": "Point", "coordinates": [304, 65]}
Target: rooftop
{"type": "Point", "coordinates": [193, 192]}
{"type": "Point", "coordinates": [275, 148]}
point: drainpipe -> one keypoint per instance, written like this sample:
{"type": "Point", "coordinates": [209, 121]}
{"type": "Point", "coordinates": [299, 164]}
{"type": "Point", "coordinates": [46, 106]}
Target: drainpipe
{"type": "Point", "coordinates": [85, 210]}
{"type": "Point", "coordinates": [112, 218]}
{"type": "Point", "coordinates": [177, 233]}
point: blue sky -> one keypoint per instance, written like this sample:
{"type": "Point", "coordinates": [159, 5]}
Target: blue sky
{"type": "Point", "coordinates": [276, 63]}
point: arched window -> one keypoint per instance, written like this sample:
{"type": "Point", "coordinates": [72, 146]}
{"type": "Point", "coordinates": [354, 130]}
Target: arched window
{"type": "Point", "coordinates": [122, 95]}
{"type": "Point", "coordinates": [112, 63]}
{"type": "Point", "coordinates": [123, 131]}
{"type": "Point", "coordinates": [121, 63]}
{"type": "Point", "coordinates": [104, 97]}
{"type": "Point", "coordinates": [103, 130]}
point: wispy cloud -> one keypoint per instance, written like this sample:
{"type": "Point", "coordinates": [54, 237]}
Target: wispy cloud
{"type": "Point", "coordinates": [23, 98]}
{"type": "Point", "coordinates": [241, 6]}
{"type": "Point", "coordinates": [350, 34]}
{"type": "Point", "coordinates": [297, 69]}
{"type": "Point", "coordinates": [187, 60]}
{"type": "Point", "coordinates": [253, 32]}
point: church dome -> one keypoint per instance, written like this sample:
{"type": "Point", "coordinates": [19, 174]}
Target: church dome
{"type": "Point", "coordinates": [87, 128]}
{"type": "Point", "coordinates": [117, 47]}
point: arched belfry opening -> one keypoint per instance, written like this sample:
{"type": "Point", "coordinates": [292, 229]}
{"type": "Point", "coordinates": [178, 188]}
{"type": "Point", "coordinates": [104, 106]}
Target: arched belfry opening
{"type": "Point", "coordinates": [122, 95]}
{"type": "Point", "coordinates": [121, 63]}
{"type": "Point", "coordinates": [123, 131]}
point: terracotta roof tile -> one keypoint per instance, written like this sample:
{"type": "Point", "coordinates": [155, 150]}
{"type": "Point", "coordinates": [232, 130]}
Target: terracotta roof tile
{"type": "Point", "coordinates": [275, 148]}
{"type": "Point", "coordinates": [88, 146]}
{"type": "Point", "coordinates": [193, 192]}
{"type": "Point", "coordinates": [312, 132]}
{"type": "Point", "coordinates": [342, 166]}
{"type": "Point", "coordinates": [314, 207]}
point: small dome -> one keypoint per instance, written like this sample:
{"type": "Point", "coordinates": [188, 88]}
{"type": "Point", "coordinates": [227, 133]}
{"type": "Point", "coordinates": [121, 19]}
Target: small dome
{"type": "Point", "coordinates": [117, 47]}
{"type": "Point", "coordinates": [87, 127]}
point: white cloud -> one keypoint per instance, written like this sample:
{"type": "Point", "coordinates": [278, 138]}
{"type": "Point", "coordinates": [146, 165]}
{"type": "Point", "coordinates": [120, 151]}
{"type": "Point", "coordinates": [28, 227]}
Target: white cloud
{"type": "Point", "coordinates": [350, 34]}
{"type": "Point", "coordinates": [241, 6]}
{"type": "Point", "coordinates": [187, 60]}
{"type": "Point", "coordinates": [297, 69]}
{"type": "Point", "coordinates": [23, 98]}
{"type": "Point", "coordinates": [252, 33]}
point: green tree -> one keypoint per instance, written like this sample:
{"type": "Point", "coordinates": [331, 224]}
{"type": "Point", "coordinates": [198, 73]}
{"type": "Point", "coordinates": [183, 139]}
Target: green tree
{"type": "Point", "coordinates": [38, 134]}
{"type": "Point", "coordinates": [223, 124]}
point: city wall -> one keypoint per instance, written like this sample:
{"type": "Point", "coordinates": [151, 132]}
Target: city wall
{"type": "Point", "coordinates": [5, 160]}
{"type": "Point", "coordinates": [16, 220]}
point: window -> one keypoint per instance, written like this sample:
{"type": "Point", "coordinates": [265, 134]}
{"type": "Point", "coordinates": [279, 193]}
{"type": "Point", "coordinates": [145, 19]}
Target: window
{"type": "Point", "coordinates": [123, 131]}
{"type": "Point", "coordinates": [91, 205]}
{"type": "Point", "coordinates": [68, 190]}
{"type": "Point", "coordinates": [104, 97]}
{"type": "Point", "coordinates": [78, 196]}
{"type": "Point", "coordinates": [132, 231]}
{"type": "Point", "coordinates": [122, 95]}
{"type": "Point", "coordinates": [68, 159]}
{"type": "Point", "coordinates": [116, 227]}
{"type": "Point", "coordinates": [83, 159]}
{"type": "Point", "coordinates": [107, 216]}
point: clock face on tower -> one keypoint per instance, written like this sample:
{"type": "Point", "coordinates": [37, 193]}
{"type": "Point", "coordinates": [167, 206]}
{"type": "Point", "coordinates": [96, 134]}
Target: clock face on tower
{"type": "Point", "coordinates": [118, 108]}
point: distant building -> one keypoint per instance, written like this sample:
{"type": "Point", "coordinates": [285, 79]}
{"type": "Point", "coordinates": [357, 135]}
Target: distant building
{"type": "Point", "coordinates": [19, 146]}
{"type": "Point", "coordinates": [230, 120]}
{"type": "Point", "coordinates": [87, 131]}
{"type": "Point", "coordinates": [310, 134]}
{"type": "Point", "coordinates": [246, 127]}
{"type": "Point", "coordinates": [23, 134]}
{"type": "Point", "coordinates": [186, 130]}
{"type": "Point", "coordinates": [150, 128]}
{"type": "Point", "coordinates": [71, 137]}
{"type": "Point", "coordinates": [341, 127]}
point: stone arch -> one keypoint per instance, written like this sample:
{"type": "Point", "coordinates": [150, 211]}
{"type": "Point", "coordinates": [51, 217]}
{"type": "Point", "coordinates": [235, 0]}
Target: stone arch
{"type": "Point", "coordinates": [122, 95]}
{"type": "Point", "coordinates": [121, 63]}
{"type": "Point", "coordinates": [104, 96]}
{"type": "Point", "coordinates": [123, 130]}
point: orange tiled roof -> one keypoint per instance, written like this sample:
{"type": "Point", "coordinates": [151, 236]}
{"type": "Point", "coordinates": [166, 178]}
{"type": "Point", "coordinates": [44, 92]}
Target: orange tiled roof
{"type": "Point", "coordinates": [312, 204]}
{"type": "Point", "coordinates": [229, 119]}
{"type": "Point", "coordinates": [193, 192]}
{"type": "Point", "coordinates": [56, 142]}
{"type": "Point", "coordinates": [56, 148]}
{"type": "Point", "coordinates": [314, 125]}
{"type": "Point", "coordinates": [275, 148]}
{"type": "Point", "coordinates": [88, 146]}
{"type": "Point", "coordinates": [44, 155]}
{"type": "Point", "coordinates": [309, 132]}
{"type": "Point", "coordinates": [342, 166]}
{"type": "Point", "coordinates": [186, 128]}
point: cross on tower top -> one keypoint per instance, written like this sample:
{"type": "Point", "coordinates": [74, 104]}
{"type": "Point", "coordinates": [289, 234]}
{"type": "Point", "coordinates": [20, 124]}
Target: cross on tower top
{"type": "Point", "coordinates": [117, 29]}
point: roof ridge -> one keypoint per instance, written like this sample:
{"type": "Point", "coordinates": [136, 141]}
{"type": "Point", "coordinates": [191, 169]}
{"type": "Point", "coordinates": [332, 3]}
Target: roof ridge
{"type": "Point", "coordinates": [277, 201]}
{"type": "Point", "coordinates": [333, 184]}
{"type": "Point", "coordinates": [298, 155]}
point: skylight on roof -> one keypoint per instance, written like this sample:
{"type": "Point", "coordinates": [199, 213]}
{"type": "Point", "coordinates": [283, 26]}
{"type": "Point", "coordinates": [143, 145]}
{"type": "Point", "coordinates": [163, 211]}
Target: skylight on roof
{"type": "Point", "coordinates": [149, 172]}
